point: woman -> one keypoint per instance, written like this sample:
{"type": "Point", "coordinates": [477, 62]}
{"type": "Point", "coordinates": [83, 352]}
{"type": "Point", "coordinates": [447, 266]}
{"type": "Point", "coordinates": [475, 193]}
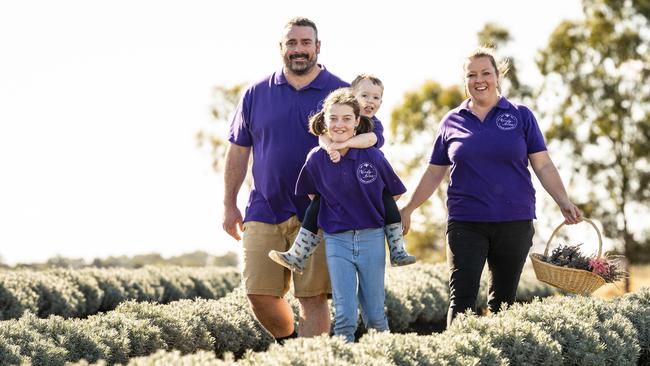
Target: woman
{"type": "Point", "coordinates": [488, 142]}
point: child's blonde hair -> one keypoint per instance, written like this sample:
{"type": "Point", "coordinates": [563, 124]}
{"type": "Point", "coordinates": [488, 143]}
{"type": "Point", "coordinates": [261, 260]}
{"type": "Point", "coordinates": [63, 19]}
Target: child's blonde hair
{"type": "Point", "coordinates": [372, 78]}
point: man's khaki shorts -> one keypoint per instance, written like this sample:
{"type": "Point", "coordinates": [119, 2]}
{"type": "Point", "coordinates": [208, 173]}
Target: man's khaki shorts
{"type": "Point", "coordinates": [262, 276]}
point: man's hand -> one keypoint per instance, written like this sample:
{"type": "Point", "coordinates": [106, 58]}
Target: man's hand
{"type": "Point", "coordinates": [232, 220]}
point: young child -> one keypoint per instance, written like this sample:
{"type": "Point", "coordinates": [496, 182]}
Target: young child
{"type": "Point", "coordinates": [368, 90]}
{"type": "Point", "coordinates": [351, 213]}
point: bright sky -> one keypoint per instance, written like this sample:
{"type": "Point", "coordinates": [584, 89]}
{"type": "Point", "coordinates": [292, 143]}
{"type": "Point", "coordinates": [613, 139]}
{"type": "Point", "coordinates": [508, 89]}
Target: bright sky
{"type": "Point", "coordinates": [100, 103]}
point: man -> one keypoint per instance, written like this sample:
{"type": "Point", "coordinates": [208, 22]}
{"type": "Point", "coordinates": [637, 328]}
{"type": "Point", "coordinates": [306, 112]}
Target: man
{"type": "Point", "coordinates": [272, 120]}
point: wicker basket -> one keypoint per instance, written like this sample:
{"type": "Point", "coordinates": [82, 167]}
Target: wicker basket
{"type": "Point", "coordinates": [570, 279]}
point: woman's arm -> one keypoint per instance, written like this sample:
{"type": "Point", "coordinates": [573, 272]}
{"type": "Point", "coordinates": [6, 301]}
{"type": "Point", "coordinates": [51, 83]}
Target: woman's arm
{"type": "Point", "coordinates": [547, 174]}
{"type": "Point", "coordinates": [428, 184]}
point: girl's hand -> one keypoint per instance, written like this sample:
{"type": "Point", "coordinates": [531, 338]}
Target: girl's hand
{"type": "Point", "coordinates": [571, 212]}
{"type": "Point", "coordinates": [335, 156]}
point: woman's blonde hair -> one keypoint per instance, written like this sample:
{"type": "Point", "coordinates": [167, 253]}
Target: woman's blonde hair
{"type": "Point", "coordinates": [501, 68]}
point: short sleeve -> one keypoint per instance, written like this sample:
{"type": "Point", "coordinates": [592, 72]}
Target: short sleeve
{"type": "Point", "coordinates": [534, 137]}
{"type": "Point", "coordinates": [240, 125]}
{"type": "Point", "coordinates": [440, 155]}
{"type": "Point", "coordinates": [379, 131]}
{"type": "Point", "coordinates": [305, 183]}
{"type": "Point", "coordinates": [392, 182]}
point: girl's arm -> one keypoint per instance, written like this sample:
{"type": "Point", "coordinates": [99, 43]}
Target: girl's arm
{"type": "Point", "coordinates": [428, 184]}
{"type": "Point", "coordinates": [547, 173]}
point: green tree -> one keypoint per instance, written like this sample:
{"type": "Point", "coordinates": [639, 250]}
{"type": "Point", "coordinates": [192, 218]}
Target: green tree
{"type": "Point", "coordinates": [224, 103]}
{"type": "Point", "coordinates": [498, 37]}
{"type": "Point", "coordinates": [414, 124]}
{"type": "Point", "coordinates": [597, 70]}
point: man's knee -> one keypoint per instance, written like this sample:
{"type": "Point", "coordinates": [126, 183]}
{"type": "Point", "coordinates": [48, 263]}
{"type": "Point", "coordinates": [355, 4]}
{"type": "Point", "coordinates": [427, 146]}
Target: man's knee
{"type": "Point", "coordinates": [261, 301]}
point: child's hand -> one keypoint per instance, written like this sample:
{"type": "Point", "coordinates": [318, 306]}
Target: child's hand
{"type": "Point", "coordinates": [335, 156]}
{"type": "Point", "coordinates": [337, 146]}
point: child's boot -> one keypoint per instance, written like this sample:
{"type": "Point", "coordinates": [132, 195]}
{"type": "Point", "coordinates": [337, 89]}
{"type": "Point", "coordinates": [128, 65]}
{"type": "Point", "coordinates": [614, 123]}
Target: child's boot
{"type": "Point", "coordinates": [296, 257]}
{"type": "Point", "coordinates": [395, 239]}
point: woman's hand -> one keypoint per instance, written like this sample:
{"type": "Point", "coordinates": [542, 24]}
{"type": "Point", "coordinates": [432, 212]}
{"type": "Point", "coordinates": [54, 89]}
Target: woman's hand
{"type": "Point", "coordinates": [571, 212]}
{"type": "Point", "coordinates": [406, 220]}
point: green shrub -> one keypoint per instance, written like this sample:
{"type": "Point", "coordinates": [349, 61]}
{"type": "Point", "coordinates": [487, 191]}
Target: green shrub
{"type": "Point", "coordinates": [615, 331]}
{"type": "Point", "coordinates": [520, 341]}
{"type": "Point", "coordinates": [37, 347]}
{"type": "Point", "coordinates": [638, 313]}
{"type": "Point", "coordinates": [17, 294]}
{"type": "Point", "coordinates": [417, 293]}
{"type": "Point", "coordinates": [580, 341]}
{"type": "Point", "coordinates": [80, 293]}
{"type": "Point", "coordinates": [10, 353]}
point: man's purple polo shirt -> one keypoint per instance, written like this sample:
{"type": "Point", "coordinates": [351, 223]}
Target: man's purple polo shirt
{"type": "Point", "coordinates": [351, 190]}
{"type": "Point", "coordinates": [490, 181]}
{"type": "Point", "coordinates": [272, 117]}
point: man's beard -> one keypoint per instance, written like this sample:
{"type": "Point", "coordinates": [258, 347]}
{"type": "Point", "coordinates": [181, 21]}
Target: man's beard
{"type": "Point", "coordinates": [299, 67]}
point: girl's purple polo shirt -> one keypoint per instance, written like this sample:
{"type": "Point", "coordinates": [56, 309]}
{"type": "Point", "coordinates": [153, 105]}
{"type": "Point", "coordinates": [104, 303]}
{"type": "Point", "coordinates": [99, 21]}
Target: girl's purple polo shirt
{"type": "Point", "coordinates": [490, 180]}
{"type": "Point", "coordinates": [351, 190]}
{"type": "Point", "coordinates": [272, 117]}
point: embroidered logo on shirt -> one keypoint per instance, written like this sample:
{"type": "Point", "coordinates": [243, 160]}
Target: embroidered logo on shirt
{"type": "Point", "coordinates": [506, 121]}
{"type": "Point", "coordinates": [366, 173]}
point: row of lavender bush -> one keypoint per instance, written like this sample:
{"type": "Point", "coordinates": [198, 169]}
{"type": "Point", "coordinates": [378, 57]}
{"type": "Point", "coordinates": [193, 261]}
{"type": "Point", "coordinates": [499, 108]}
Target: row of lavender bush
{"type": "Point", "coordinates": [415, 294]}
{"type": "Point", "coordinates": [562, 330]}
{"type": "Point", "coordinates": [74, 293]}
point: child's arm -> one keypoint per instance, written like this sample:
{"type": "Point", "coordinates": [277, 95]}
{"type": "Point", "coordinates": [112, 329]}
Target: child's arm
{"type": "Point", "coordinates": [361, 141]}
{"type": "Point", "coordinates": [325, 143]}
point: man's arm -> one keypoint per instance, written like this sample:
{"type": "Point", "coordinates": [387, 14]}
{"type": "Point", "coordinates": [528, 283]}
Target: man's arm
{"type": "Point", "coordinates": [234, 175]}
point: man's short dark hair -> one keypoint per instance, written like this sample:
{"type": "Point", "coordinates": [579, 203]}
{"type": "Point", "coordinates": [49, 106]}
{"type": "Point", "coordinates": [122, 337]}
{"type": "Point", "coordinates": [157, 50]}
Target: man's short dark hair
{"type": "Point", "coordinates": [302, 22]}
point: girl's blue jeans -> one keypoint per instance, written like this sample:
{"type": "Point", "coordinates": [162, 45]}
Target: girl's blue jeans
{"type": "Point", "coordinates": [356, 261]}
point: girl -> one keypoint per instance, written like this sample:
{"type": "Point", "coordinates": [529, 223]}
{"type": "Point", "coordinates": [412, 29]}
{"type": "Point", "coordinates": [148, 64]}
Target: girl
{"type": "Point", "coordinates": [368, 90]}
{"type": "Point", "coordinates": [351, 213]}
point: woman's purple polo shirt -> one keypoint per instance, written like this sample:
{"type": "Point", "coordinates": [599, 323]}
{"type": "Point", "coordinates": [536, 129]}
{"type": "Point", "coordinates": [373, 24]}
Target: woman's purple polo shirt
{"type": "Point", "coordinates": [272, 117]}
{"type": "Point", "coordinates": [351, 190]}
{"type": "Point", "coordinates": [490, 180]}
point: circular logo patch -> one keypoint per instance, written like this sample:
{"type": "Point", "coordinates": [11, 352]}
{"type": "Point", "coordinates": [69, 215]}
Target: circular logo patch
{"type": "Point", "coordinates": [366, 173]}
{"type": "Point", "coordinates": [506, 121]}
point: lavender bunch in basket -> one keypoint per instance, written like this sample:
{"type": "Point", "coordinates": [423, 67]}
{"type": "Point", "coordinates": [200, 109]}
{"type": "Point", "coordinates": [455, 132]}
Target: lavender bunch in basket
{"type": "Point", "coordinates": [608, 267]}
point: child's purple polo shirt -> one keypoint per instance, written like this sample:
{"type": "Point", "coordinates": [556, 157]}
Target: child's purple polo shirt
{"type": "Point", "coordinates": [351, 190]}
{"type": "Point", "coordinates": [272, 117]}
{"type": "Point", "coordinates": [490, 181]}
